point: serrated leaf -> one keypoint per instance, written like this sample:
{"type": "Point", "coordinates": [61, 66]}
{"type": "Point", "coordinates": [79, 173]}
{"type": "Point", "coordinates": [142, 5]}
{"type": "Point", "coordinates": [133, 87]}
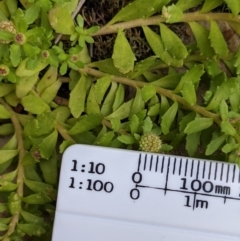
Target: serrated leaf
{"type": "Point", "coordinates": [172, 43]}
{"type": "Point", "coordinates": [168, 118]}
{"type": "Point", "coordinates": [15, 54]}
{"type": "Point", "coordinates": [32, 13]}
{"type": "Point", "coordinates": [62, 113]}
{"type": "Point", "coordinates": [234, 6]}
{"type": "Point", "coordinates": [48, 145]}
{"type": "Point", "coordinates": [6, 186]}
{"type": "Point", "coordinates": [235, 101]}
{"type": "Point", "coordinates": [164, 105]}
{"type": "Point", "coordinates": [142, 66]}
{"type": "Point", "coordinates": [41, 125]}
{"type": "Point", "coordinates": [201, 35]}
{"type": "Point", "coordinates": [192, 75]}
{"type": "Point", "coordinates": [147, 125]}
{"type": "Point", "coordinates": [3, 227]}
{"type": "Point", "coordinates": [148, 91]}
{"type": "Point", "coordinates": [10, 176]}
{"type": "Point", "coordinates": [121, 49]}
{"type": "Point", "coordinates": [37, 198]}
{"type": "Point", "coordinates": [217, 40]}
{"type": "Point", "coordinates": [189, 93]}
{"type": "Point", "coordinates": [116, 123]}
{"type": "Point", "coordinates": [127, 139]}
{"type": "Point", "coordinates": [192, 143]}
{"type": "Point", "coordinates": [77, 97]}
{"type": "Point", "coordinates": [223, 109]}
{"type": "Point", "coordinates": [157, 46]}
{"type": "Point", "coordinates": [31, 229]}
{"type": "Point", "coordinates": [14, 203]}
{"type": "Point", "coordinates": [39, 187]}
{"type": "Point", "coordinates": [12, 99]}
{"type": "Point", "coordinates": [31, 218]}
{"type": "Point", "coordinates": [92, 104]}
{"type": "Point", "coordinates": [119, 97]}
{"type": "Point", "coordinates": [61, 20]}
{"type": "Point", "coordinates": [227, 128]}
{"type": "Point", "coordinates": [6, 129]}
{"type": "Point", "coordinates": [134, 124]}
{"type": "Point", "coordinates": [34, 104]}
{"type": "Point", "coordinates": [169, 81]}
{"type": "Point", "coordinates": [215, 144]}
{"type": "Point", "coordinates": [5, 220]}
{"type": "Point", "coordinates": [4, 114]}
{"type": "Point", "coordinates": [10, 144]}
{"type": "Point", "coordinates": [106, 66]}
{"type": "Point", "coordinates": [108, 102]}
{"type": "Point", "coordinates": [101, 87]}
{"type": "Point", "coordinates": [172, 14]}
{"type": "Point", "coordinates": [185, 5]}
{"type": "Point", "coordinates": [235, 27]}
{"type": "Point", "coordinates": [229, 147]}
{"type": "Point", "coordinates": [86, 123]}
{"type": "Point", "coordinates": [6, 89]}
{"type": "Point", "coordinates": [50, 92]}
{"type": "Point", "coordinates": [210, 5]}
{"type": "Point", "coordinates": [65, 144]}
{"type": "Point", "coordinates": [185, 120]}
{"type": "Point", "coordinates": [4, 13]}
{"type": "Point", "coordinates": [6, 36]}
{"type": "Point", "coordinates": [49, 169]}
{"type": "Point", "coordinates": [12, 6]}
{"type": "Point", "coordinates": [154, 110]}
{"type": "Point", "coordinates": [138, 103]}
{"type": "Point", "coordinates": [166, 148]}
{"type": "Point", "coordinates": [122, 112]}
{"type": "Point", "coordinates": [223, 92]}
{"type": "Point", "coordinates": [22, 70]}
{"type": "Point", "coordinates": [25, 85]}
{"type": "Point", "coordinates": [138, 9]}
{"type": "Point", "coordinates": [105, 139]}
{"type": "Point", "coordinates": [197, 125]}
{"type": "Point", "coordinates": [6, 155]}
{"type": "Point", "coordinates": [48, 79]}
{"type": "Point", "coordinates": [3, 207]}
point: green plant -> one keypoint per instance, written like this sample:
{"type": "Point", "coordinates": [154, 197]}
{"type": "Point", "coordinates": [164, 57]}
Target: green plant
{"type": "Point", "coordinates": [187, 94]}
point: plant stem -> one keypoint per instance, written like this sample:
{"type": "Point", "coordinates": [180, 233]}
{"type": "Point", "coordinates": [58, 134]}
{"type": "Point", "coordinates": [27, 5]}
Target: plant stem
{"type": "Point", "coordinates": [155, 20]}
{"type": "Point", "coordinates": [64, 133]}
{"type": "Point", "coordinates": [199, 109]}
{"type": "Point", "coordinates": [20, 169]}
{"type": "Point", "coordinates": [167, 93]}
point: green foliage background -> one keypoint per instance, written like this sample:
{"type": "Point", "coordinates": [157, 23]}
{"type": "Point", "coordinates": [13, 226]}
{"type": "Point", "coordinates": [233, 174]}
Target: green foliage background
{"type": "Point", "coordinates": [166, 91]}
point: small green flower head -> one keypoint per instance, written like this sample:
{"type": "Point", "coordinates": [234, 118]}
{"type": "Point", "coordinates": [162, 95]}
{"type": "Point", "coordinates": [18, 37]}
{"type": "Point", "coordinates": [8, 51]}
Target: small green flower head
{"type": "Point", "coordinates": [150, 143]}
{"type": "Point", "coordinates": [20, 38]}
{"type": "Point", "coordinates": [4, 70]}
{"type": "Point", "coordinates": [45, 54]}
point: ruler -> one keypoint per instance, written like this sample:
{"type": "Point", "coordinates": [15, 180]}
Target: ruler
{"type": "Point", "coordinates": [108, 194]}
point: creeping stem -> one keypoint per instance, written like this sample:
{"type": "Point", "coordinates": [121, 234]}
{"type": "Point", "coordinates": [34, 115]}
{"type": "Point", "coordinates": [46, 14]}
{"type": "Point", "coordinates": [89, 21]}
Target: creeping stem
{"type": "Point", "coordinates": [168, 93]}
{"type": "Point", "coordinates": [155, 20]}
{"type": "Point", "coordinates": [20, 169]}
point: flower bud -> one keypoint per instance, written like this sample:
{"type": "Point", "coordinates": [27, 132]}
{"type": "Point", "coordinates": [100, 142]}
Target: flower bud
{"type": "Point", "coordinates": [20, 38]}
{"type": "Point", "coordinates": [45, 54]}
{"type": "Point", "coordinates": [4, 70]}
{"type": "Point", "coordinates": [150, 143]}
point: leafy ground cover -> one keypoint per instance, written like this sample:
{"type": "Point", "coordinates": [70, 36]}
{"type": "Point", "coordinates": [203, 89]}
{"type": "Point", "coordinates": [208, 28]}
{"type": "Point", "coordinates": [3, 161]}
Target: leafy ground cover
{"type": "Point", "coordinates": [113, 73]}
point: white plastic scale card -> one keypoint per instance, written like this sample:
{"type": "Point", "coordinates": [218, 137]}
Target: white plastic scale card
{"type": "Point", "coordinates": [108, 194]}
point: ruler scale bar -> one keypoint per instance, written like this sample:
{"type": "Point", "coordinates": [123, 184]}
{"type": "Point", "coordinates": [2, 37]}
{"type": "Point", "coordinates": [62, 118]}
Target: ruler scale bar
{"type": "Point", "coordinates": [149, 192]}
